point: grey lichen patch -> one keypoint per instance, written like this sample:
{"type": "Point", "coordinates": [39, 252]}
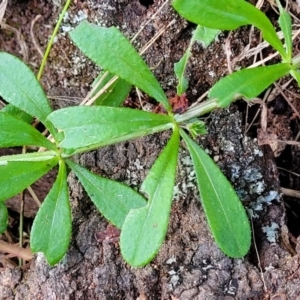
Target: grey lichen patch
{"type": "Point", "coordinates": [72, 19]}
{"type": "Point", "coordinates": [271, 232]}
{"type": "Point", "coordinates": [255, 207]}
{"type": "Point", "coordinates": [132, 172]}
{"type": "Point", "coordinates": [174, 277]}
{"type": "Point", "coordinates": [102, 12]}
{"type": "Point", "coordinates": [186, 177]}
{"type": "Point", "coordinates": [240, 158]}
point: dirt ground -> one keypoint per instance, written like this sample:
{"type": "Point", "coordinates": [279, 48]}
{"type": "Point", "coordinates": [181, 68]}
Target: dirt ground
{"type": "Point", "coordinates": [189, 264]}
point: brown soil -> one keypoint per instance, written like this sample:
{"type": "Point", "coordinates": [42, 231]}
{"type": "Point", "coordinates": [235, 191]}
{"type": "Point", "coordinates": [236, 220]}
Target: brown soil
{"type": "Point", "coordinates": [189, 265]}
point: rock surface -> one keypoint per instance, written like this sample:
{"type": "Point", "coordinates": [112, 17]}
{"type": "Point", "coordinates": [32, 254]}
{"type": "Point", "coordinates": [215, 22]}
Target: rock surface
{"type": "Point", "coordinates": [189, 265]}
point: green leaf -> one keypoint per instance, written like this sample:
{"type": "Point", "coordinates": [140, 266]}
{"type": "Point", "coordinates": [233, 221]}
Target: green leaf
{"type": "Point", "coordinates": [3, 217]}
{"type": "Point", "coordinates": [116, 93]}
{"type": "Point", "coordinates": [296, 75]}
{"type": "Point", "coordinates": [144, 229]}
{"type": "Point", "coordinates": [18, 113]}
{"type": "Point", "coordinates": [114, 53]}
{"type": "Point", "coordinates": [224, 211]}
{"type": "Point", "coordinates": [179, 69]}
{"type": "Point", "coordinates": [19, 87]}
{"type": "Point", "coordinates": [196, 127]}
{"type": "Point", "coordinates": [228, 15]}
{"type": "Point", "coordinates": [87, 128]}
{"type": "Point", "coordinates": [113, 199]}
{"type": "Point", "coordinates": [201, 35]}
{"type": "Point", "coordinates": [51, 229]}
{"type": "Point", "coordinates": [15, 176]}
{"type": "Point", "coordinates": [248, 83]}
{"type": "Point", "coordinates": [15, 132]}
{"type": "Point", "coordinates": [285, 23]}
{"type": "Point", "coordinates": [205, 36]}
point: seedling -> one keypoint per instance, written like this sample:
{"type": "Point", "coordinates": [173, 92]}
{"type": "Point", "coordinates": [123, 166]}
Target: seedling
{"type": "Point", "coordinates": [142, 217]}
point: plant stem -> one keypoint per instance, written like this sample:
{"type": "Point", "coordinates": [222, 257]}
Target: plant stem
{"type": "Point", "coordinates": [199, 110]}
{"type": "Point", "coordinates": [22, 196]}
{"type": "Point", "coordinates": [50, 43]}
{"type": "Point", "coordinates": [296, 61]}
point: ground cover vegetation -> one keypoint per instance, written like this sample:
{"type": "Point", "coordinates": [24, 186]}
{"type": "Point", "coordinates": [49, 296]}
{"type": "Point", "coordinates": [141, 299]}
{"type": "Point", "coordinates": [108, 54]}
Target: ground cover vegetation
{"type": "Point", "coordinates": [143, 215]}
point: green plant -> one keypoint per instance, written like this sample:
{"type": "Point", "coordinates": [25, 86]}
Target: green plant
{"type": "Point", "coordinates": [142, 218]}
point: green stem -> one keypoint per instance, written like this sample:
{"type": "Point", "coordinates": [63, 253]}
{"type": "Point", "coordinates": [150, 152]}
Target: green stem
{"type": "Point", "coordinates": [296, 62]}
{"type": "Point", "coordinates": [21, 225]}
{"type": "Point", "coordinates": [197, 111]}
{"type": "Point", "coordinates": [50, 43]}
